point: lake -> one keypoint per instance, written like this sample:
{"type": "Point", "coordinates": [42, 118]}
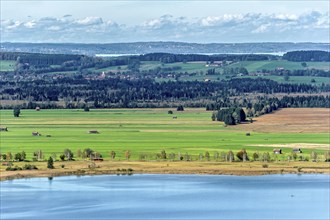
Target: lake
{"type": "Point", "coordinates": [146, 196]}
{"type": "Point", "coordinates": [208, 54]}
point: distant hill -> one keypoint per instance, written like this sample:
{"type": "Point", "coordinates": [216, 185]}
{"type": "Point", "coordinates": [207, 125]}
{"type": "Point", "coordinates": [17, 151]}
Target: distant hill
{"type": "Point", "coordinates": [165, 47]}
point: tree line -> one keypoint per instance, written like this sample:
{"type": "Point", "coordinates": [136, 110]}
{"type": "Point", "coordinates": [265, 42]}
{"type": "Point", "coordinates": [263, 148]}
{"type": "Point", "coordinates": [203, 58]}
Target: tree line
{"type": "Point", "coordinates": [310, 55]}
{"type": "Point", "coordinates": [116, 92]}
{"type": "Point", "coordinates": [223, 156]}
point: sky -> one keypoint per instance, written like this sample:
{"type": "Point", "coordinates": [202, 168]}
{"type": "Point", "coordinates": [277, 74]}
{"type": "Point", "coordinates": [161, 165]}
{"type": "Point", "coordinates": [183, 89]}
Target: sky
{"type": "Point", "coordinates": [214, 21]}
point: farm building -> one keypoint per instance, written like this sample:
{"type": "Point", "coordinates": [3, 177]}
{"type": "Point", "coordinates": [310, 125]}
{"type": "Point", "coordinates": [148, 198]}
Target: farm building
{"type": "Point", "coordinates": [277, 151]}
{"type": "Point", "coordinates": [37, 108]}
{"type": "Point", "coordinates": [3, 129]}
{"type": "Point", "coordinates": [93, 132]}
{"type": "Point", "coordinates": [35, 133]}
{"type": "Point", "coordinates": [297, 150]}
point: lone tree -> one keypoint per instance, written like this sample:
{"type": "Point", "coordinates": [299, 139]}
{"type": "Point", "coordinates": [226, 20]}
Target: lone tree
{"type": "Point", "coordinates": [163, 155]}
{"type": "Point", "coordinates": [112, 155]}
{"type": "Point", "coordinates": [50, 163]}
{"type": "Point", "coordinates": [230, 156]}
{"type": "Point", "coordinates": [207, 155]}
{"type": "Point", "coordinates": [242, 155]}
{"type": "Point", "coordinates": [68, 154]}
{"type": "Point", "coordinates": [255, 156]}
{"type": "Point", "coordinates": [180, 108]}
{"type": "Point", "coordinates": [17, 112]}
{"type": "Point", "coordinates": [127, 154]}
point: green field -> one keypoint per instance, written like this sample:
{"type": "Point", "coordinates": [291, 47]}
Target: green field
{"type": "Point", "coordinates": [253, 66]}
{"type": "Point", "coordinates": [294, 79]}
{"type": "Point", "coordinates": [140, 131]}
{"type": "Point", "coordinates": [7, 65]}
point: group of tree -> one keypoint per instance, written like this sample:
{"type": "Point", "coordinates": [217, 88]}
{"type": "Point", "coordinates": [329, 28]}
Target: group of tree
{"type": "Point", "coordinates": [235, 71]}
{"type": "Point", "coordinates": [298, 72]}
{"type": "Point", "coordinates": [310, 55]}
{"type": "Point", "coordinates": [230, 116]}
{"type": "Point", "coordinates": [229, 156]}
{"type": "Point", "coordinates": [267, 105]}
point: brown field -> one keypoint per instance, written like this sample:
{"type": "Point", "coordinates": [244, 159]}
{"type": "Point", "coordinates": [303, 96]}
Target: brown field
{"type": "Point", "coordinates": [159, 167]}
{"type": "Point", "coordinates": [292, 120]}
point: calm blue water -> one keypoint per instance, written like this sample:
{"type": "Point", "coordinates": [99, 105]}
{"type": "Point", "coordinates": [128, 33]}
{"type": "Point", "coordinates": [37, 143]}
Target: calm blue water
{"type": "Point", "coordinates": [167, 197]}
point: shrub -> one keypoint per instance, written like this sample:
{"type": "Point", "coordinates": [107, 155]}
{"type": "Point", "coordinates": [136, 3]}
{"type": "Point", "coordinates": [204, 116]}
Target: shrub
{"type": "Point", "coordinates": [13, 168]}
{"type": "Point", "coordinates": [170, 112]}
{"type": "Point", "coordinates": [62, 166]}
{"type": "Point", "coordinates": [30, 167]}
{"type": "Point", "coordinates": [265, 165]}
{"type": "Point", "coordinates": [62, 157]}
{"type": "Point", "coordinates": [207, 155]}
{"type": "Point", "coordinates": [255, 156]}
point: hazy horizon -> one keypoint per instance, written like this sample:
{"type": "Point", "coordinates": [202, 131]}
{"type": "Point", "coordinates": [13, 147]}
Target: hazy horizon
{"type": "Point", "coordinates": [78, 21]}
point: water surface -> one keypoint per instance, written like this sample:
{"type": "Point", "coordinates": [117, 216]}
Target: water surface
{"type": "Point", "coordinates": [167, 197]}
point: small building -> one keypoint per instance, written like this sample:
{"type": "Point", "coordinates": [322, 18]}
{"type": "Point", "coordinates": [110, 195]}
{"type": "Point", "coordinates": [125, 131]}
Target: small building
{"type": "Point", "coordinates": [93, 132]}
{"type": "Point", "coordinates": [35, 133]}
{"type": "Point", "coordinates": [3, 129]}
{"type": "Point", "coordinates": [277, 151]}
{"type": "Point", "coordinates": [37, 108]}
{"type": "Point", "coordinates": [296, 150]}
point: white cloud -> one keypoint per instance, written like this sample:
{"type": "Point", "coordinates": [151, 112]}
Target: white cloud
{"type": "Point", "coordinates": [30, 24]}
{"type": "Point", "coordinates": [312, 26]}
{"type": "Point", "coordinates": [90, 21]}
{"type": "Point", "coordinates": [261, 29]}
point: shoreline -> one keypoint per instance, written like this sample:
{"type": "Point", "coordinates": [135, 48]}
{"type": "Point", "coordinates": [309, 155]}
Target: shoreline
{"type": "Point", "coordinates": [80, 168]}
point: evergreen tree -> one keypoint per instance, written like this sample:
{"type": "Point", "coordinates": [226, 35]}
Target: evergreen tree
{"type": "Point", "coordinates": [17, 112]}
{"type": "Point", "coordinates": [50, 163]}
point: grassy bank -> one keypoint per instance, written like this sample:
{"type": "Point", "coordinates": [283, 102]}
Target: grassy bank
{"type": "Point", "coordinates": [161, 167]}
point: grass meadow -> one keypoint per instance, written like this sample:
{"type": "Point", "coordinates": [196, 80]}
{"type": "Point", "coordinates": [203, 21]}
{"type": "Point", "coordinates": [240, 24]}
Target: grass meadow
{"type": "Point", "coordinates": [7, 65]}
{"type": "Point", "coordinates": [138, 130]}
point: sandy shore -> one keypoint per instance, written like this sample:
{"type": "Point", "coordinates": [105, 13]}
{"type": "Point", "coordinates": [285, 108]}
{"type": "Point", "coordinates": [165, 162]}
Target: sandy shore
{"type": "Point", "coordinates": [166, 167]}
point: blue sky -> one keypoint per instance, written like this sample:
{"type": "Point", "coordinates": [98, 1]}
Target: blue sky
{"type": "Point", "coordinates": [188, 21]}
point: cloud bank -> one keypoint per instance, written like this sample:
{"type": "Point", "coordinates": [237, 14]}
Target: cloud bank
{"type": "Point", "coordinates": [251, 27]}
